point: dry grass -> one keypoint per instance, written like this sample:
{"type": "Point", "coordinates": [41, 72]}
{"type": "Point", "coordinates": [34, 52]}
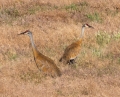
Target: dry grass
{"type": "Point", "coordinates": [55, 25]}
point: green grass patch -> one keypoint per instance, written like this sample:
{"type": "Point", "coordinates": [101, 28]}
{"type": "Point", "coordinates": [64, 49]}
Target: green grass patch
{"type": "Point", "coordinates": [97, 52]}
{"type": "Point", "coordinates": [102, 38]}
{"type": "Point", "coordinates": [11, 55]}
{"type": "Point", "coordinates": [94, 17]}
{"type": "Point", "coordinates": [116, 36]}
{"type": "Point", "coordinates": [72, 7]}
{"type": "Point", "coordinates": [13, 12]}
{"type": "Point", "coordinates": [76, 7]}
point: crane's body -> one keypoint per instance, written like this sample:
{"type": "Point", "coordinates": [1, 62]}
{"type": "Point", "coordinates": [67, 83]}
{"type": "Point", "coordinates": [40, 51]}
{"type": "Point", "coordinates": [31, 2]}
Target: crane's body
{"type": "Point", "coordinates": [73, 50]}
{"type": "Point", "coordinates": [44, 63]}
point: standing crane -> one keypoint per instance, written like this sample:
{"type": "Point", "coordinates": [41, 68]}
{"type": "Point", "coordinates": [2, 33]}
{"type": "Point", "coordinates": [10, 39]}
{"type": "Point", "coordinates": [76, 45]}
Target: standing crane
{"type": "Point", "coordinates": [72, 51]}
{"type": "Point", "coordinates": [44, 63]}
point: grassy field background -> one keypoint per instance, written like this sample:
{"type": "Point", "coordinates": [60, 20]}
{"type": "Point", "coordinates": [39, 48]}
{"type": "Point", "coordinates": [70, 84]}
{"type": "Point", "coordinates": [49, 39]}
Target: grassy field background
{"type": "Point", "coordinates": [56, 24]}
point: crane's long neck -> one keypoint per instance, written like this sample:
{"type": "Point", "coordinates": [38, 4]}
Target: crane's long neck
{"type": "Point", "coordinates": [35, 52]}
{"type": "Point", "coordinates": [82, 32]}
{"type": "Point", "coordinates": [32, 42]}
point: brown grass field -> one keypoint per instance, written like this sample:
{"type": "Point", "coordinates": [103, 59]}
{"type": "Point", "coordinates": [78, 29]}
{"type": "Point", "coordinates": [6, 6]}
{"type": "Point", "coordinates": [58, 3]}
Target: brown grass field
{"type": "Point", "coordinates": [56, 24]}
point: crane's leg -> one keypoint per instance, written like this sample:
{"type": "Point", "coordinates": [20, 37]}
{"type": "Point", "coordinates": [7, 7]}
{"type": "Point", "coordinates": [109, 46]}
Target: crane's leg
{"type": "Point", "coordinates": [72, 61]}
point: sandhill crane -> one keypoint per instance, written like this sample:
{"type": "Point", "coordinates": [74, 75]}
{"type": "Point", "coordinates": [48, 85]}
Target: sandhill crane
{"type": "Point", "coordinates": [72, 51]}
{"type": "Point", "coordinates": [44, 63]}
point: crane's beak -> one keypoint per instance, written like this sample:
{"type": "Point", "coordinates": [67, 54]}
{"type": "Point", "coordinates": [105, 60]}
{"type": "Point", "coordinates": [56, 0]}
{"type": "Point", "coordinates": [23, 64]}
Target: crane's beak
{"type": "Point", "coordinates": [87, 25]}
{"type": "Point", "coordinates": [91, 27]}
{"type": "Point", "coordinates": [22, 33]}
{"type": "Point", "coordinates": [25, 32]}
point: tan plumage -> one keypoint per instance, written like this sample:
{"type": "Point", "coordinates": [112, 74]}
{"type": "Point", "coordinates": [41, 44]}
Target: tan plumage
{"type": "Point", "coordinates": [72, 51]}
{"type": "Point", "coordinates": [44, 63]}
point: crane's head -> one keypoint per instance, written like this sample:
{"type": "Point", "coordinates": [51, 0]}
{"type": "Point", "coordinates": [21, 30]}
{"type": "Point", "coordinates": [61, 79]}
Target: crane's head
{"type": "Point", "coordinates": [87, 25]}
{"type": "Point", "coordinates": [27, 32]}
